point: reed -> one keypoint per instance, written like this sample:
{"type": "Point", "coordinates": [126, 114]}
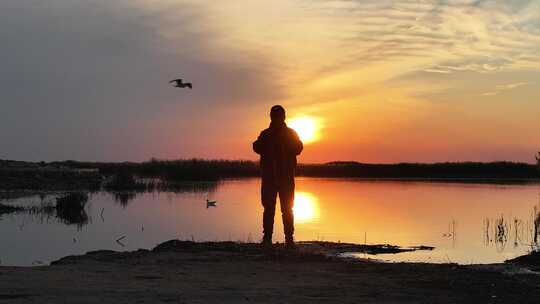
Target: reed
{"type": "Point", "coordinates": [70, 208]}
{"type": "Point", "coordinates": [124, 180]}
{"type": "Point", "coordinates": [6, 209]}
{"type": "Point", "coordinates": [536, 224]}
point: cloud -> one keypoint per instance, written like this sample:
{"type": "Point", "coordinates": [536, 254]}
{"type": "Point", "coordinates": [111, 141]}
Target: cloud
{"type": "Point", "coordinates": [505, 87]}
{"type": "Point", "coordinates": [439, 71]}
{"type": "Point", "coordinates": [88, 79]}
{"type": "Point", "coordinates": [441, 36]}
{"type": "Point", "coordinates": [511, 86]}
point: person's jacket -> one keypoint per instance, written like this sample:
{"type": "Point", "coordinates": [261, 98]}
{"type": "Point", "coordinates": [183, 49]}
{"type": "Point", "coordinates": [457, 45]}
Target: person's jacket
{"type": "Point", "coordinates": [278, 147]}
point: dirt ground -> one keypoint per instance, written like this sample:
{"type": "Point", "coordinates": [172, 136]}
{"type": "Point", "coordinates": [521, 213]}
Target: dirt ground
{"type": "Point", "coordinates": [186, 272]}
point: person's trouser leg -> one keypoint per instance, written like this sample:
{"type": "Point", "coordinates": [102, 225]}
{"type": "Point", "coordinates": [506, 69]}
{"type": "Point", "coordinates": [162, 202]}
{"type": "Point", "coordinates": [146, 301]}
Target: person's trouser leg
{"type": "Point", "coordinates": [286, 200]}
{"type": "Point", "coordinates": [268, 197]}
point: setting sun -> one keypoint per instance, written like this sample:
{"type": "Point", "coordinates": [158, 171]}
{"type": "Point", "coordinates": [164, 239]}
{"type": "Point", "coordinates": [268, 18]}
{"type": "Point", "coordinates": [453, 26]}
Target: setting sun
{"type": "Point", "coordinates": [306, 127]}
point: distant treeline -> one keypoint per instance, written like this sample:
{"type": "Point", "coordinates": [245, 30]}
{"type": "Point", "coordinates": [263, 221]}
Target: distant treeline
{"type": "Point", "coordinates": [198, 169]}
{"type": "Point", "coordinates": [458, 170]}
{"type": "Point", "coordinates": [175, 170]}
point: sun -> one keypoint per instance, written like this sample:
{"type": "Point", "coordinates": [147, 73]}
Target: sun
{"type": "Point", "coordinates": [306, 127]}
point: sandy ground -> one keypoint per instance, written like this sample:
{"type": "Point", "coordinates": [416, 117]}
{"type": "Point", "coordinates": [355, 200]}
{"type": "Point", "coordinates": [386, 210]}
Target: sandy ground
{"type": "Point", "coordinates": [185, 272]}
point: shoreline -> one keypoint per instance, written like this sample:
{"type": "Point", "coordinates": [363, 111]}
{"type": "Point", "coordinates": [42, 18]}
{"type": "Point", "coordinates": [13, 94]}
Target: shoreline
{"type": "Point", "coordinates": [226, 272]}
{"type": "Point", "coordinates": [30, 186]}
{"type": "Point", "coordinates": [69, 175]}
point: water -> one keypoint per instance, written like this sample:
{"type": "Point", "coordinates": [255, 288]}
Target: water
{"type": "Point", "coordinates": [461, 220]}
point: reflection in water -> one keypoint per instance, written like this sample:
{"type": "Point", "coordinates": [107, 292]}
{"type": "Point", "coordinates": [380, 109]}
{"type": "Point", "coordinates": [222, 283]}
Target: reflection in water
{"type": "Point", "coordinates": [524, 232]}
{"type": "Point", "coordinates": [68, 208]}
{"type": "Point", "coordinates": [305, 207]}
{"type": "Point", "coordinates": [496, 232]}
{"type": "Point", "coordinates": [356, 211]}
{"type": "Point", "coordinates": [536, 219]}
{"type": "Point", "coordinates": [188, 187]}
{"type": "Point", "coordinates": [124, 197]}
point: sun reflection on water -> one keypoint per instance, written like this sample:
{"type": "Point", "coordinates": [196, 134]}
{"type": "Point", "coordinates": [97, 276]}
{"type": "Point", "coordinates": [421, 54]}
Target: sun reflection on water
{"type": "Point", "coordinates": [306, 207]}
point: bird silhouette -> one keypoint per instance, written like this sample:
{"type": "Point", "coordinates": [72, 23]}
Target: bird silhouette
{"type": "Point", "coordinates": [180, 84]}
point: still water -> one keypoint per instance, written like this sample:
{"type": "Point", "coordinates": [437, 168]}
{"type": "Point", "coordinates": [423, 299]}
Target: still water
{"type": "Point", "coordinates": [467, 223]}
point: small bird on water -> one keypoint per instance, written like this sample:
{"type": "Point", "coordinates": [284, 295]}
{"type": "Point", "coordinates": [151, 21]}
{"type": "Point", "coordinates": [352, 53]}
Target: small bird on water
{"type": "Point", "coordinates": [210, 203]}
{"type": "Point", "coordinates": [180, 84]}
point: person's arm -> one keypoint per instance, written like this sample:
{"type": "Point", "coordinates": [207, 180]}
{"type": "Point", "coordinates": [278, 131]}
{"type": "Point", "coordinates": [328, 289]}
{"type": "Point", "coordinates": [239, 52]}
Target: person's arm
{"type": "Point", "coordinates": [258, 145]}
{"type": "Point", "coordinates": [296, 144]}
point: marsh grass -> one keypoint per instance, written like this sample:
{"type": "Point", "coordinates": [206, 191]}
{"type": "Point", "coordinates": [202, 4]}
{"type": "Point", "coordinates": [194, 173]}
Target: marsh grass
{"type": "Point", "coordinates": [68, 208]}
{"type": "Point", "coordinates": [536, 229]}
{"type": "Point", "coordinates": [498, 231]}
{"type": "Point", "coordinates": [47, 178]}
{"type": "Point", "coordinates": [7, 209]}
{"type": "Point", "coordinates": [124, 181]}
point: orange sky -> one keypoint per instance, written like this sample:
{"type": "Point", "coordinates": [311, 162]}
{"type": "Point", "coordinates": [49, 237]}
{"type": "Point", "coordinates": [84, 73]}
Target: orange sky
{"type": "Point", "coordinates": [386, 81]}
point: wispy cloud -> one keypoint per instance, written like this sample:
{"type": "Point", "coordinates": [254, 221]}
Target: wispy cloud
{"type": "Point", "coordinates": [505, 87]}
{"type": "Point", "coordinates": [511, 86]}
{"type": "Point", "coordinates": [442, 36]}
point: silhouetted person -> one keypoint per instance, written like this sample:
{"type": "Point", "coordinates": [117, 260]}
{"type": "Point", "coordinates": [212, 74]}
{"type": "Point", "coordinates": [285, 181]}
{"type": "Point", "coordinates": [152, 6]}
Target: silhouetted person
{"type": "Point", "coordinates": [278, 146]}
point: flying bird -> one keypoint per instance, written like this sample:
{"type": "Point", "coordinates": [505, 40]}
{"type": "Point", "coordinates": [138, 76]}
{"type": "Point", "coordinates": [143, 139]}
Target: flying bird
{"type": "Point", "coordinates": [180, 84]}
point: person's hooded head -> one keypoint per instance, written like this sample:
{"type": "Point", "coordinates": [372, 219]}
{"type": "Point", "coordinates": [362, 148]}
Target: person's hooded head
{"type": "Point", "coordinates": [277, 114]}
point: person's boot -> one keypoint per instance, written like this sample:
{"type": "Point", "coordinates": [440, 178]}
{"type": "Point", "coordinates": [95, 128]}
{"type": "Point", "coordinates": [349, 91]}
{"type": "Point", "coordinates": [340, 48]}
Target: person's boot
{"type": "Point", "coordinates": [267, 242]}
{"type": "Point", "coordinates": [289, 242]}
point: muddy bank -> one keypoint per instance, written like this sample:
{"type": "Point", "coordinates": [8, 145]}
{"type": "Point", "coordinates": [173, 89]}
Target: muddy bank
{"type": "Point", "coordinates": [187, 272]}
{"type": "Point", "coordinates": [530, 261]}
{"type": "Point", "coordinates": [311, 251]}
